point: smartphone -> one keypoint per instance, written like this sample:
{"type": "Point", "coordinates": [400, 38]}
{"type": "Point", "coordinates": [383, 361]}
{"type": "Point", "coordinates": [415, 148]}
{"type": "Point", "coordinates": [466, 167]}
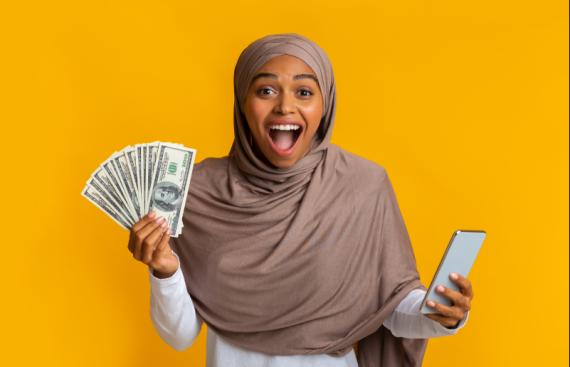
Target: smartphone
{"type": "Point", "coordinates": [458, 258]}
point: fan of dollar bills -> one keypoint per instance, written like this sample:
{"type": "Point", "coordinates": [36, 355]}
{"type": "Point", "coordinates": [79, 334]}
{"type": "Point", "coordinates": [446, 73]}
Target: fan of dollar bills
{"type": "Point", "coordinates": [141, 179]}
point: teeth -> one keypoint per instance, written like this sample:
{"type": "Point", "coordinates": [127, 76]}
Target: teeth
{"type": "Point", "coordinates": [284, 127]}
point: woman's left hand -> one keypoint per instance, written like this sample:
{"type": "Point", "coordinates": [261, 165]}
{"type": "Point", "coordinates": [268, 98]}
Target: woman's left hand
{"type": "Point", "coordinates": [451, 315]}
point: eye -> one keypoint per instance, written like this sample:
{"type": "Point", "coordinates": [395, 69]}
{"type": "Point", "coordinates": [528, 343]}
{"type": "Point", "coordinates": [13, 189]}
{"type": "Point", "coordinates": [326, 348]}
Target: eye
{"type": "Point", "coordinates": [305, 93]}
{"type": "Point", "coordinates": [265, 91]}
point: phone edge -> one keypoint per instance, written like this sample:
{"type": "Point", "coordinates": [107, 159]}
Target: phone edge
{"type": "Point", "coordinates": [438, 269]}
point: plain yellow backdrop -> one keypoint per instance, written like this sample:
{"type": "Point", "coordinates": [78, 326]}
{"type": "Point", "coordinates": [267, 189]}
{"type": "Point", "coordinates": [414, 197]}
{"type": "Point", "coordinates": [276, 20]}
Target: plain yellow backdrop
{"type": "Point", "coordinates": [465, 103]}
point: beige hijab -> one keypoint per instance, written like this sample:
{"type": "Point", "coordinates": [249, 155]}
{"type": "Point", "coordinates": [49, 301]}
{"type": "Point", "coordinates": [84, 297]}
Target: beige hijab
{"type": "Point", "coordinates": [302, 260]}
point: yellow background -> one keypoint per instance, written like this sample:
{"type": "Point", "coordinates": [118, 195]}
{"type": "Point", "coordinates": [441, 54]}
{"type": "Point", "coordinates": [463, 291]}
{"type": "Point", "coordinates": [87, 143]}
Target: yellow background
{"type": "Point", "coordinates": [465, 103]}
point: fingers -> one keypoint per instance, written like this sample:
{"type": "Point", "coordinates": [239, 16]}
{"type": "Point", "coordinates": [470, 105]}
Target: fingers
{"type": "Point", "coordinates": [161, 245]}
{"type": "Point", "coordinates": [464, 283]}
{"type": "Point", "coordinates": [449, 316]}
{"type": "Point", "coordinates": [150, 242]}
{"type": "Point", "coordinates": [449, 312]}
{"type": "Point", "coordinates": [143, 222]}
{"type": "Point", "coordinates": [459, 300]}
{"type": "Point", "coordinates": [142, 234]}
{"type": "Point", "coordinates": [137, 227]}
{"type": "Point", "coordinates": [163, 241]}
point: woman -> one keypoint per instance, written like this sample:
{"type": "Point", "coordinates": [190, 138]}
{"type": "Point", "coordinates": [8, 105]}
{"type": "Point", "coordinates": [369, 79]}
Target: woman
{"type": "Point", "coordinates": [293, 249]}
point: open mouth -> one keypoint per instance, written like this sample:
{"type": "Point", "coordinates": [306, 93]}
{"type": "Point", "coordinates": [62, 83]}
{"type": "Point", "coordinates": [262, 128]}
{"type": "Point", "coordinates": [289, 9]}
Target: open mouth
{"type": "Point", "coordinates": [284, 138]}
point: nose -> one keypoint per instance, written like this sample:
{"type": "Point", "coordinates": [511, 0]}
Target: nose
{"type": "Point", "coordinates": [285, 104]}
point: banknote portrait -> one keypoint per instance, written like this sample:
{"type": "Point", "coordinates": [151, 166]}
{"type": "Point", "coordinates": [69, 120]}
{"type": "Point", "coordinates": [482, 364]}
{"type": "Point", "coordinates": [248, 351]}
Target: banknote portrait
{"type": "Point", "coordinates": [167, 196]}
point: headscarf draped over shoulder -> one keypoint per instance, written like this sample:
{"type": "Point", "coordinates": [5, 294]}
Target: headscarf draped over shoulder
{"type": "Point", "coordinates": [303, 260]}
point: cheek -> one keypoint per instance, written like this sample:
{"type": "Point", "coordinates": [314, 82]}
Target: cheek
{"type": "Point", "coordinates": [312, 116]}
{"type": "Point", "coordinates": [256, 111]}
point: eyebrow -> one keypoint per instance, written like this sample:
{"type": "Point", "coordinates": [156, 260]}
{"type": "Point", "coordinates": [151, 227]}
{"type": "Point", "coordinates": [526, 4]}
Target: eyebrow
{"type": "Point", "coordinates": [273, 76]}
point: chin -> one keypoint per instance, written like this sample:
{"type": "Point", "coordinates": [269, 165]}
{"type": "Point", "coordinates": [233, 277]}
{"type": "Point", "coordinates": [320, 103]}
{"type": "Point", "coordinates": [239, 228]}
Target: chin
{"type": "Point", "coordinates": [283, 163]}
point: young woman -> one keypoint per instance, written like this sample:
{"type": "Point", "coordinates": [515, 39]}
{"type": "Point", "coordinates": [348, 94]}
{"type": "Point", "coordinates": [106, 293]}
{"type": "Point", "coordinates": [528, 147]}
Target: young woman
{"type": "Point", "coordinates": [293, 249]}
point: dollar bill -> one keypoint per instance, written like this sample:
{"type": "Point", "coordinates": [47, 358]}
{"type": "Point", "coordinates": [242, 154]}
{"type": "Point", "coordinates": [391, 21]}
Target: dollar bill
{"type": "Point", "coordinates": [144, 173]}
{"type": "Point", "coordinates": [122, 168]}
{"type": "Point", "coordinates": [152, 152]}
{"type": "Point", "coordinates": [139, 179]}
{"type": "Point", "coordinates": [152, 149]}
{"type": "Point", "coordinates": [138, 148]}
{"type": "Point", "coordinates": [90, 194]}
{"type": "Point", "coordinates": [109, 201]}
{"type": "Point", "coordinates": [111, 172]}
{"type": "Point", "coordinates": [180, 224]}
{"type": "Point", "coordinates": [170, 181]}
{"type": "Point", "coordinates": [104, 183]}
{"type": "Point", "coordinates": [130, 156]}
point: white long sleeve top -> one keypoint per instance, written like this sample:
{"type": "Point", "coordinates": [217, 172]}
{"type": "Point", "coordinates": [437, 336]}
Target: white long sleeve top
{"type": "Point", "coordinates": [178, 324]}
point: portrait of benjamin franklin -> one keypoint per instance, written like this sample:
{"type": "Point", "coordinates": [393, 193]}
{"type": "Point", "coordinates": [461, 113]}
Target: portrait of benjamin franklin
{"type": "Point", "coordinates": [167, 196]}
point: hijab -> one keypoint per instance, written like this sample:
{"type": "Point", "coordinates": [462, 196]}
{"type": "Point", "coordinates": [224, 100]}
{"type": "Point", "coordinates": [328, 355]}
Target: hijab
{"type": "Point", "coordinates": [304, 260]}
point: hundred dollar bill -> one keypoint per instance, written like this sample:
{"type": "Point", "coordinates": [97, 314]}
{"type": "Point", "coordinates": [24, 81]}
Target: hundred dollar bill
{"type": "Point", "coordinates": [182, 216]}
{"type": "Point", "coordinates": [111, 172]}
{"type": "Point", "coordinates": [90, 194]}
{"type": "Point", "coordinates": [144, 173]}
{"type": "Point", "coordinates": [152, 153]}
{"type": "Point", "coordinates": [105, 183]}
{"type": "Point", "coordinates": [138, 148]}
{"type": "Point", "coordinates": [152, 150]}
{"type": "Point", "coordinates": [117, 174]}
{"type": "Point", "coordinates": [170, 181]}
{"type": "Point", "coordinates": [122, 168]}
{"type": "Point", "coordinates": [131, 157]}
{"type": "Point", "coordinates": [107, 199]}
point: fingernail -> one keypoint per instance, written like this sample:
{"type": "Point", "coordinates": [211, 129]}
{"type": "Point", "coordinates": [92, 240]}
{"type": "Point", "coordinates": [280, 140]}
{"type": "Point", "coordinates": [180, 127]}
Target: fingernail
{"type": "Point", "coordinates": [152, 214]}
{"type": "Point", "coordinates": [440, 288]}
{"type": "Point", "coordinates": [431, 303]}
{"type": "Point", "coordinates": [168, 231]}
{"type": "Point", "coordinates": [163, 224]}
{"type": "Point", "coordinates": [454, 276]}
{"type": "Point", "coordinates": [159, 219]}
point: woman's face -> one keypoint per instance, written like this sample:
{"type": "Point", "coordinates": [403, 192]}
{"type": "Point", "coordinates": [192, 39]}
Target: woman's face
{"type": "Point", "coordinates": [283, 109]}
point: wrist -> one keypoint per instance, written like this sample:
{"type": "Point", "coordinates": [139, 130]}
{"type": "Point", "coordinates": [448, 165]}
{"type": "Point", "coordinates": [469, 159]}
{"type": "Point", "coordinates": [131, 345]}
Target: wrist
{"type": "Point", "coordinates": [458, 322]}
{"type": "Point", "coordinates": [168, 271]}
{"type": "Point", "coordinates": [454, 326]}
{"type": "Point", "coordinates": [162, 275]}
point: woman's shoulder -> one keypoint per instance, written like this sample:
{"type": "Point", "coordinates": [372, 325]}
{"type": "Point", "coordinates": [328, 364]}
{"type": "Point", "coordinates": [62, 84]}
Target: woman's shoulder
{"type": "Point", "coordinates": [212, 164]}
{"type": "Point", "coordinates": [356, 165]}
{"type": "Point", "coordinates": [210, 170]}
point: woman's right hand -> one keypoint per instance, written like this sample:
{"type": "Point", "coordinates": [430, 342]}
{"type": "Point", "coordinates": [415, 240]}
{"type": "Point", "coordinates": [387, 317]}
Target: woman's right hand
{"type": "Point", "coordinates": [148, 243]}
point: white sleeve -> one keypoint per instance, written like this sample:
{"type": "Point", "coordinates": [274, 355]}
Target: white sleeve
{"type": "Point", "coordinates": [172, 311]}
{"type": "Point", "coordinates": [408, 322]}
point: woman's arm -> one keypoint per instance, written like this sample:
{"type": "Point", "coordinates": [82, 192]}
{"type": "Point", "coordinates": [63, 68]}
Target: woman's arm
{"type": "Point", "coordinates": [172, 311]}
{"type": "Point", "coordinates": [406, 321]}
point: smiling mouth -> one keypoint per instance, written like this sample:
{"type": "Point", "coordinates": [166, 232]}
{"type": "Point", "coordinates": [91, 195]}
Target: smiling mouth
{"type": "Point", "coordinates": [283, 138]}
